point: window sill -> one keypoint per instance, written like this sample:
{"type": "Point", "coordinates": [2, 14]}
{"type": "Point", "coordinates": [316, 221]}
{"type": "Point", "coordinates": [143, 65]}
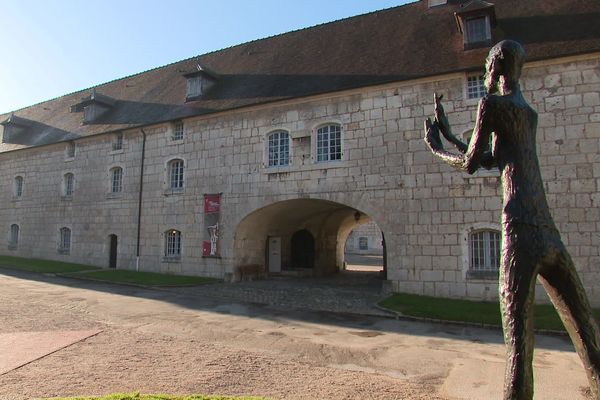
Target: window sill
{"type": "Point", "coordinates": [12, 247]}
{"type": "Point", "coordinates": [69, 159]}
{"type": "Point", "coordinates": [174, 192]}
{"type": "Point", "coordinates": [65, 252]}
{"type": "Point", "coordinates": [171, 260]}
{"type": "Point", "coordinates": [482, 275]}
{"type": "Point", "coordinates": [172, 142]}
{"type": "Point", "coordinates": [17, 198]}
{"type": "Point", "coordinates": [117, 151]}
{"type": "Point", "coordinates": [311, 166]}
{"type": "Point", "coordinates": [66, 198]}
{"type": "Point", "coordinates": [114, 195]}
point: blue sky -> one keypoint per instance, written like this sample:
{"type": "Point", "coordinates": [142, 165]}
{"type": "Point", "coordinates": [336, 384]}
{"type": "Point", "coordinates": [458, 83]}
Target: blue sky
{"type": "Point", "coordinates": [54, 47]}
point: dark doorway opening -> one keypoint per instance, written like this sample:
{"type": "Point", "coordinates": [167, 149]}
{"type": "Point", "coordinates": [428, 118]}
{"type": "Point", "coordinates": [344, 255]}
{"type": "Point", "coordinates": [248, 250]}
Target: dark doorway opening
{"type": "Point", "coordinates": [112, 260]}
{"type": "Point", "coordinates": [303, 249]}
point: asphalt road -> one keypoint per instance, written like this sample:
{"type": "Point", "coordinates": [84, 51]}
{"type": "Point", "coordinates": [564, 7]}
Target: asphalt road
{"type": "Point", "coordinates": [295, 348]}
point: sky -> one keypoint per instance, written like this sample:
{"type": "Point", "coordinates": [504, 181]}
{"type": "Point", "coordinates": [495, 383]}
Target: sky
{"type": "Point", "coordinates": [50, 48]}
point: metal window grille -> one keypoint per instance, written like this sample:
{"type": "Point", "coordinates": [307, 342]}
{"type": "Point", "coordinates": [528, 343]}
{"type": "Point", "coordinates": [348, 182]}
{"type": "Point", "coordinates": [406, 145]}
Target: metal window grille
{"type": "Point", "coordinates": [363, 243]}
{"type": "Point", "coordinates": [475, 86]}
{"type": "Point", "coordinates": [279, 149]}
{"type": "Point", "coordinates": [69, 181]}
{"type": "Point", "coordinates": [18, 186]}
{"type": "Point", "coordinates": [476, 30]}
{"type": "Point", "coordinates": [178, 131]}
{"type": "Point", "coordinates": [173, 243]}
{"type": "Point", "coordinates": [176, 174]}
{"type": "Point", "coordinates": [14, 235]}
{"type": "Point", "coordinates": [484, 249]}
{"type": "Point", "coordinates": [329, 143]}
{"type": "Point", "coordinates": [116, 180]}
{"type": "Point", "coordinates": [65, 239]}
{"type": "Point", "coordinates": [118, 142]}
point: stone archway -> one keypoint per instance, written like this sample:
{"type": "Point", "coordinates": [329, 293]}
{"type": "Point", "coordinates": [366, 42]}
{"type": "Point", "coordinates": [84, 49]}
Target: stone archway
{"type": "Point", "coordinates": [327, 223]}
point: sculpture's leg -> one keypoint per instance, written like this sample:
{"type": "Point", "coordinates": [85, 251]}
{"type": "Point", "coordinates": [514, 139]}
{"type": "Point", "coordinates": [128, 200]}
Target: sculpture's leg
{"type": "Point", "coordinates": [568, 296]}
{"type": "Point", "coordinates": [517, 292]}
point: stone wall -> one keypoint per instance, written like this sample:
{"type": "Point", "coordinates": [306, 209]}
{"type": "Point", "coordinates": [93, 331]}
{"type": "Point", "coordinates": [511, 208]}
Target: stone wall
{"type": "Point", "coordinates": [424, 208]}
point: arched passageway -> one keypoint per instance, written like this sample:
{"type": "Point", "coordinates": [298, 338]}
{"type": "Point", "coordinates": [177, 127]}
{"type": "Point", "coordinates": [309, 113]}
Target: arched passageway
{"type": "Point", "coordinates": [305, 236]}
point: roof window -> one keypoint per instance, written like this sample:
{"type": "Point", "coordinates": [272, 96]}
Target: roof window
{"type": "Point", "coordinates": [198, 82]}
{"type": "Point", "coordinates": [13, 126]}
{"type": "Point", "coordinates": [93, 106]}
{"type": "Point", "coordinates": [475, 21]}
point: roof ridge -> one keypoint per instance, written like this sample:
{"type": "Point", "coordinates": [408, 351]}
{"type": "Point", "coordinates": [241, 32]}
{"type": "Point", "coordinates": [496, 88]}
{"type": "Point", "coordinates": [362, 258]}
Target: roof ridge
{"type": "Point", "coordinates": [412, 3]}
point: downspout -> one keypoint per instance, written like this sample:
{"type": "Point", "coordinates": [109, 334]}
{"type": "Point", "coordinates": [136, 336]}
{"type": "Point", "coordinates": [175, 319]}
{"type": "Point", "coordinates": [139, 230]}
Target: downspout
{"type": "Point", "coordinates": [139, 221]}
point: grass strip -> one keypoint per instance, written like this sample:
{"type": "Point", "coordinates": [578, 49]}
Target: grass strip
{"type": "Point", "coordinates": [42, 266]}
{"type": "Point", "coordinates": [137, 396]}
{"type": "Point", "coordinates": [142, 278]}
{"type": "Point", "coordinates": [477, 312]}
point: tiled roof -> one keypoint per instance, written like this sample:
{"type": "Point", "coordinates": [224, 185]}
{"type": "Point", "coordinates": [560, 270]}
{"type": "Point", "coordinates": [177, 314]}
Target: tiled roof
{"type": "Point", "coordinates": [395, 44]}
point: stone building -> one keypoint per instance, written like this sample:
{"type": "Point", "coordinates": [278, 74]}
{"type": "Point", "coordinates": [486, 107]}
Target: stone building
{"type": "Point", "coordinates": [268, 154]}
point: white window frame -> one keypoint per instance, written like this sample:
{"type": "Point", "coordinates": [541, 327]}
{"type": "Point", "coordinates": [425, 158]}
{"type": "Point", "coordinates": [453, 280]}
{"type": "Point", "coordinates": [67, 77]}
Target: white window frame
{"type": "Point", "coordinates": [176, 175]}
{"type": "Point", "coordinates": [194, 87]}
{"type": "Point", "coordinates": [68, 184]}
{"type": "Point", "coordinates": [18, 185]}
{"type": "Point", "coordinates": [474, 86]}
{"type": "Point", "coordinates": [65, 240]}
{"type": "Point", "coordinates": [280, 156]}
{"type": "Point", "coordinates": [116, 180]}
{"type": "Point", "coordinates": [13, 238]}
{"type": "Point", "coordinates": [323, 141]}
{"type": "Point", "coordinates": [489, 268]}
{"type": "Point", "coordinates": [70, 150]}
{"type": "Point", "coordinates": [178, 131]}
{"type": "Point", "coordinates": [173, 244]}
{"type": "Point", "coordinates": [487, 34]}
{"type": "Point", "coordinates": [117, 142]}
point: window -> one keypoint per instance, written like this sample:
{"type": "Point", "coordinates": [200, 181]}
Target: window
{"type": "Point", "coordinates": [329, 143]}
{"type": "Point", "coordinates": [279, 149]}
{"type": "Point", "coordinates": [194, 86]}
{"type": "Point", "coordinates": [64, 246]}
{"type": "Point", "coordinates": [117, 143]}
{"type": "Point", "coordinates": [13, 239]}
{"type": "Point", "coordinates": [116, 180]}
{"type": "Point", "coordinates": [363, 243]}
{"type": "Point", "coordinates": [177, 131]}
{"type": "Point", "coordinates": [176, 174]}
{"type": "Point", "coordinates": [476, 30]}
{"type": "Point", "coordinates": [475, 86]}
{"type": "Point", "coordinates": [68, 183]}
{"type": "Point", "coordinates": [18, 187]}
{"type": "Point", "coordinates": [70, 150]}
{"type": "Point", "coordinates": [484, 254]}
{"type": "Point", "coordinates": [172, 244]}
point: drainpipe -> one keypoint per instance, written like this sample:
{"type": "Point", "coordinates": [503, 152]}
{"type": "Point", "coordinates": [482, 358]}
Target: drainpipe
{"type": "Point", "coordinates": [139, 221]}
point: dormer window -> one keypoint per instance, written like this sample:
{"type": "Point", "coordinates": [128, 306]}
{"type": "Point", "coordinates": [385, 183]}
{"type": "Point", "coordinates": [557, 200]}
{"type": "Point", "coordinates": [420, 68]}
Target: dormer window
{"type": "Point", "coordinates": [198, 82]}
{"type": "Point", "coordinates": [93, 106]}
{"type": "Point", "coordinates": [475, 21]}
{"type": "Point", "coordinates": [13, 127]}
{"type": "Point", "coordinates": [435, 3]}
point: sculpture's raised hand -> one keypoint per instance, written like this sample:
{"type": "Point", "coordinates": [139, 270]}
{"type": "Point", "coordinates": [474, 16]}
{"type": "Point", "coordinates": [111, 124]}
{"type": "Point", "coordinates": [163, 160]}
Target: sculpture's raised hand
{"type": "Point", "coordinates": [432, 136]}
{"type": "Point", "coordinates": [444, 126]}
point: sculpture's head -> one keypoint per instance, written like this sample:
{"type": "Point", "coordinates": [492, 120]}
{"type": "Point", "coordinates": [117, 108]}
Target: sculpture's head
{"type": "Point", "coordinates": [505, 60]}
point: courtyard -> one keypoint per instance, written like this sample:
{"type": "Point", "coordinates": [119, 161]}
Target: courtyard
{"type": "Point", "coordinates": [67, 337]}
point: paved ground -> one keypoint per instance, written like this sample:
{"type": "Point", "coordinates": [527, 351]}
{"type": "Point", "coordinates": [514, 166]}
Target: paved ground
{"type": "Point", "coordinates": [182, 341]}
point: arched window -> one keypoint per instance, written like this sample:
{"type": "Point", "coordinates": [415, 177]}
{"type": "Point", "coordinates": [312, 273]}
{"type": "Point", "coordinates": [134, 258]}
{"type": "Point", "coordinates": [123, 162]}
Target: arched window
{"type": "Point", "coordinates": [64, 245]}
{"type": "Point", "coordinates": [176, 174]}
{"type": "Point", "coordinates": [279, 149]}
{"type": "Point", "coordinates": [172, 243]}
{"type": "Point", "coordinates": [329, 143]}
{"type": "Point", "coordinates": [484, 253]}
{"type": "Point", "coordinates": [68, 184]}
{"type": "Point", "coordinates": [13, 239]}
{"type": "Point", "coordinates": [116, 180]}
{"type": "Point", "coordinates": [18, 187]}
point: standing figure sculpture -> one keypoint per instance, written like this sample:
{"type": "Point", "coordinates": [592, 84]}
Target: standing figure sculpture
{"type": "Point", "coordinates": [531, 243]}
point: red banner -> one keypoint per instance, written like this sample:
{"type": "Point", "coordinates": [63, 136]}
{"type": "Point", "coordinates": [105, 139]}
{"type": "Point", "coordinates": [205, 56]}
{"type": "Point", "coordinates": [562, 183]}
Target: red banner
{"type": "Point", "coordinates": [212, 203]}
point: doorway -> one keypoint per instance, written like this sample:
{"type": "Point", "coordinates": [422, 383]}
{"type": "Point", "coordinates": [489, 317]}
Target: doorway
{"type": "Point", "coordinates": [274, 254]}
{"type": "Point", "coordinates": [303, 249]}
{"type": "Point", "coordinates": [112, 258]}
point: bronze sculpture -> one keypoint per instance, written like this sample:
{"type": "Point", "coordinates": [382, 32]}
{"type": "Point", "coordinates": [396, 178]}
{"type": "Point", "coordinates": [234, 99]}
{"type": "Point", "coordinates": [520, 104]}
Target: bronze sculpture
{"type": "Point", "coordinates": [531, 243]}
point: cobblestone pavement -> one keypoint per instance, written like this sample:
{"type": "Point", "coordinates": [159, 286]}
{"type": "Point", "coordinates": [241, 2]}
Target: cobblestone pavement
{"type": "Point", "coordinates": [354, 292]}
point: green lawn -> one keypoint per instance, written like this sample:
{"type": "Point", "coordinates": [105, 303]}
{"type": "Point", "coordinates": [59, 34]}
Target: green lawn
{"type": "Point", "coordinates": [36, 265]}
{"type": "Point", "coordinates": [136, 396]}
{"type": "Point", "coordinates": [142, 278]}
{"type": "Point", "coordinates": [480, 312]}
